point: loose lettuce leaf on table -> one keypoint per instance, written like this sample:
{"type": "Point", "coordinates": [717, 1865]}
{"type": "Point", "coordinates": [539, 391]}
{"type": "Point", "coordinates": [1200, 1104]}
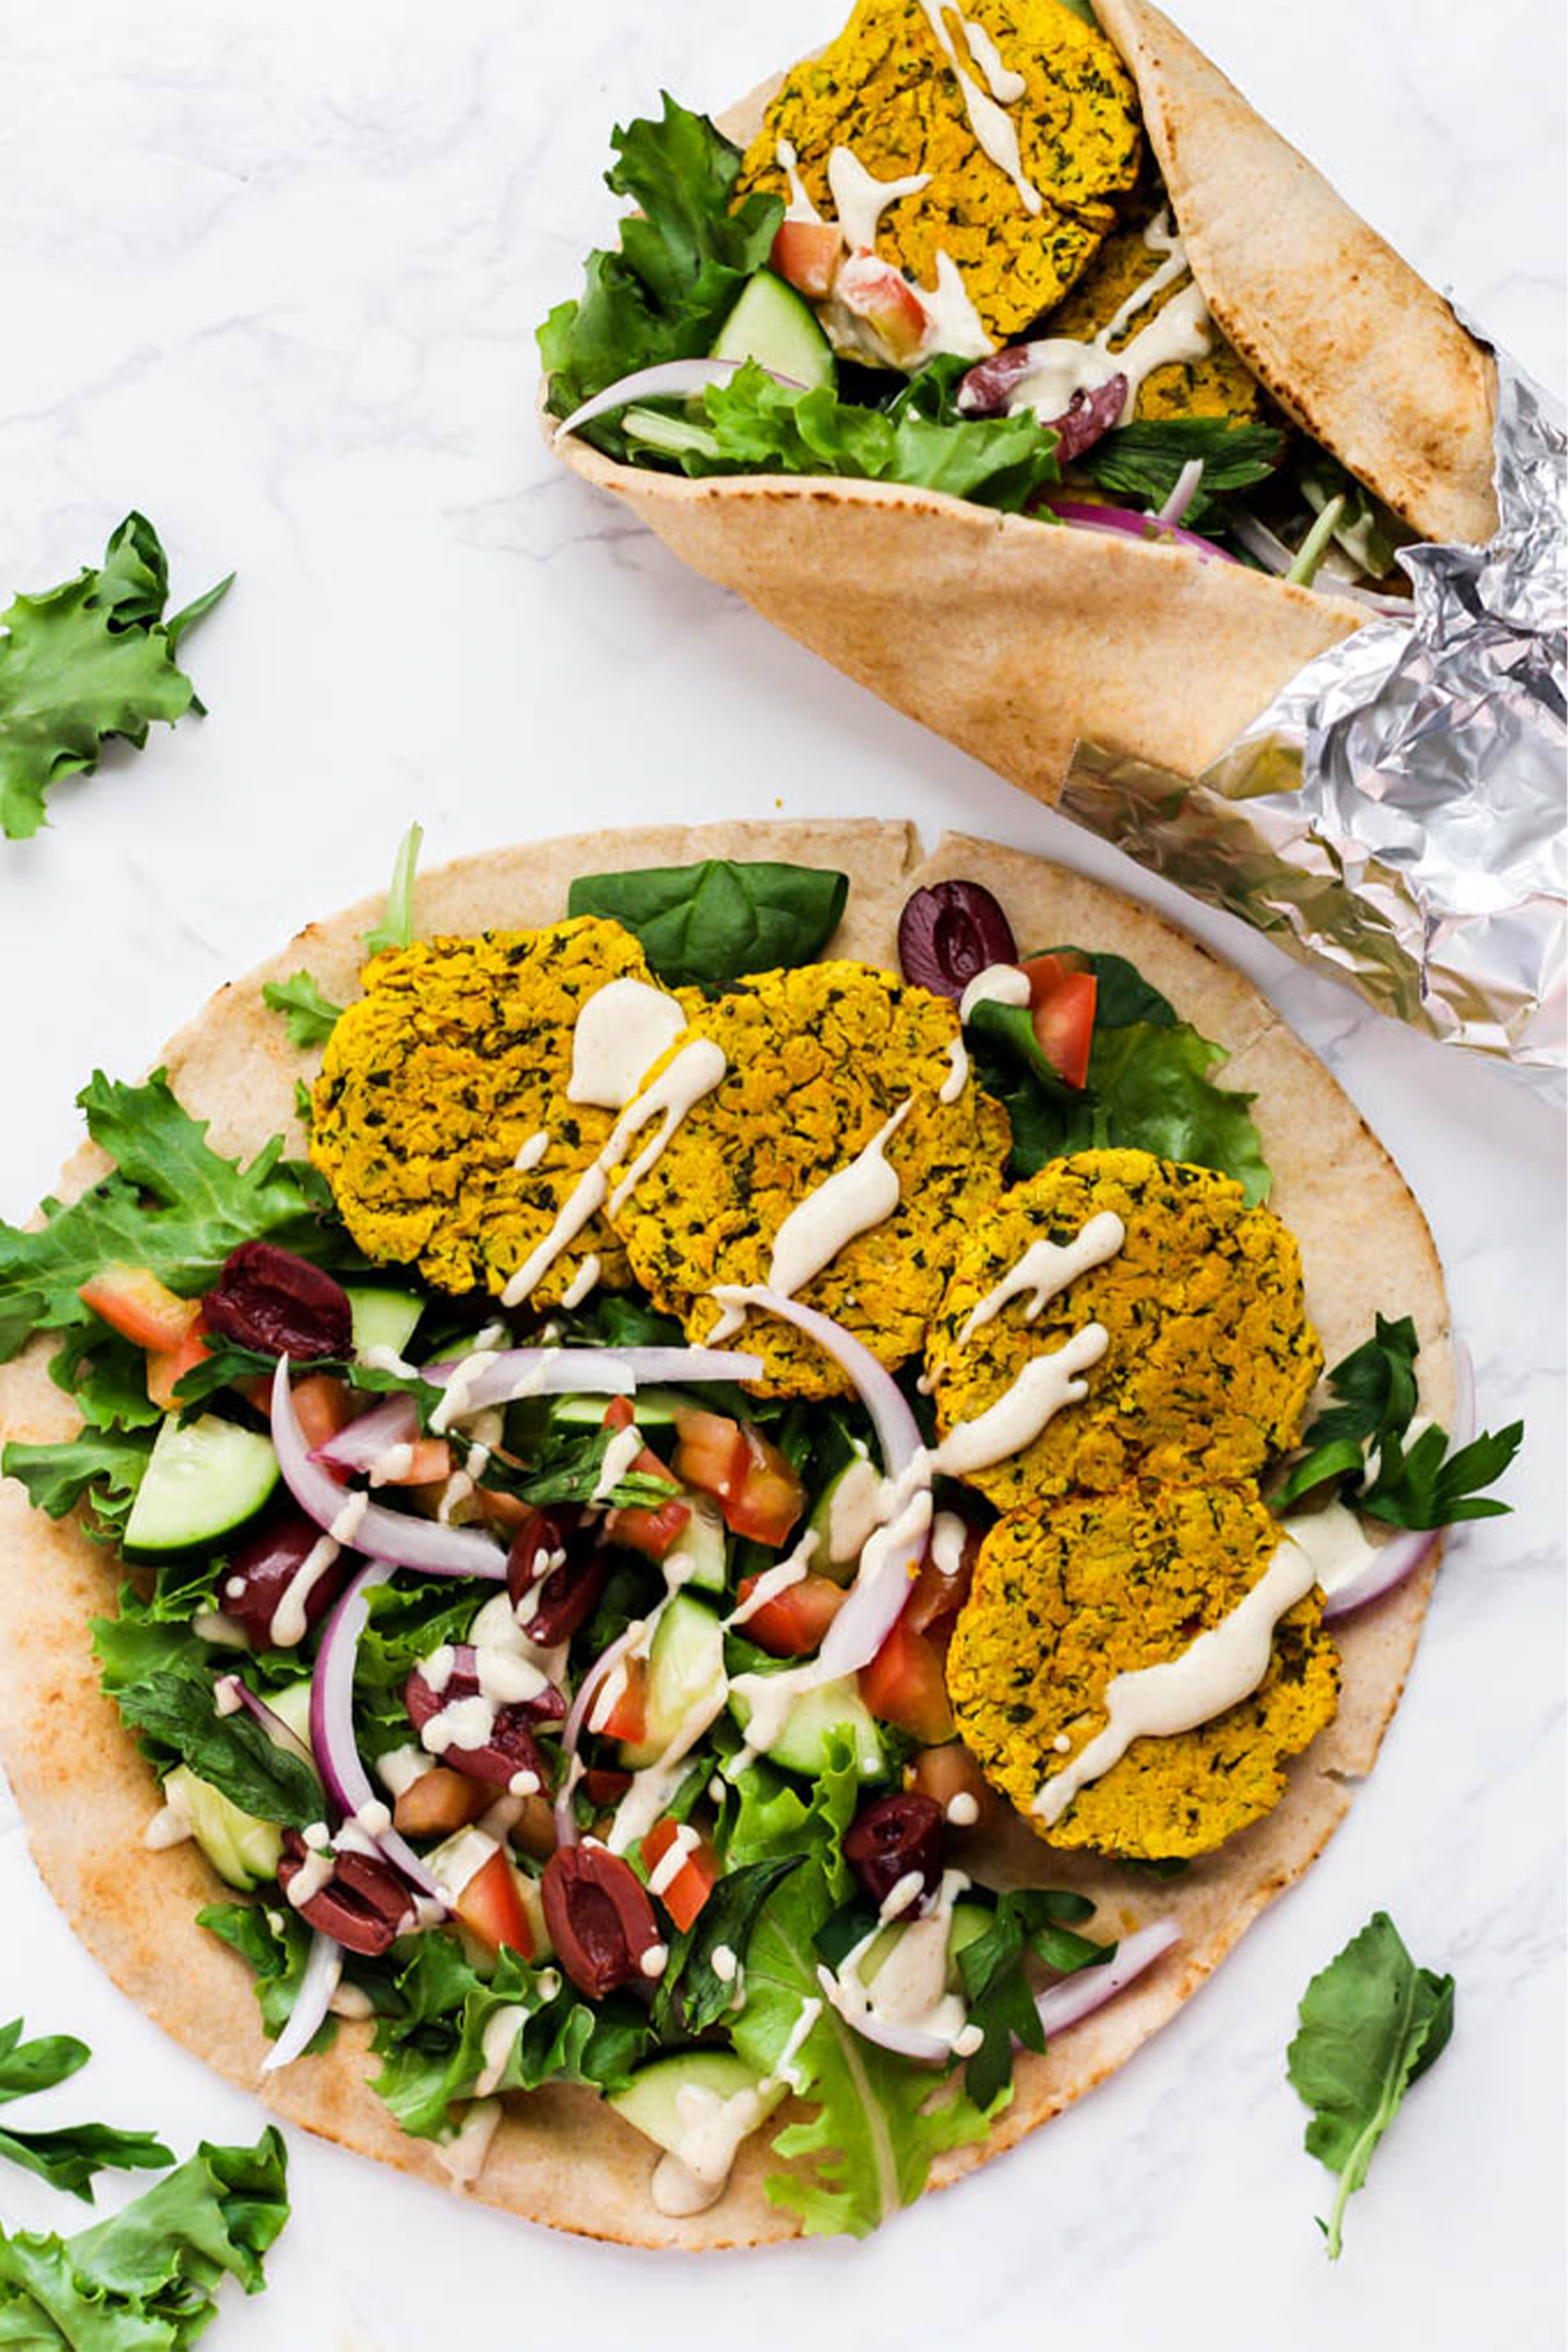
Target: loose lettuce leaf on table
{"type": "Point", "coordinates": [704, 926]}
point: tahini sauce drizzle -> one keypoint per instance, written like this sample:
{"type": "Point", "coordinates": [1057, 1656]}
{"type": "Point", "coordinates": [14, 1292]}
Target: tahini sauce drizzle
{"type": "Point", "coordinates": [1061, 367]}
{"type": "Point", "coordinates": [850, 1202]}
{"type": "Point", "coordinates": [996, 132]}
{"type": "Point", "coordinates": [1045, 1270]}
{"type": "Point", "coordinates": [621, 1032]}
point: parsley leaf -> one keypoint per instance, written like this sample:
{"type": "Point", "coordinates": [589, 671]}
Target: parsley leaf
{"type": "Point", "coordinates": [102, 1468]}
{"type": "Point", "coordinates": [308, 1015]}
{"type": "Point", "coordinates": [1370, 2023]}
{"type": "Point", "coordinates": [69, 2156]}
{"type": "Point", "coordinates": [395, 928]}
{"type": "Point", "coordinates": [87, 662]}
{"type": "Point", "coordinates": [691, 1996]}
{"type": "Point", "coordinates": [1144, 459]}
{"type": "Point", "coordinates": [997, 1992]}
{"type": "Point", "coordinates": [704, 926]}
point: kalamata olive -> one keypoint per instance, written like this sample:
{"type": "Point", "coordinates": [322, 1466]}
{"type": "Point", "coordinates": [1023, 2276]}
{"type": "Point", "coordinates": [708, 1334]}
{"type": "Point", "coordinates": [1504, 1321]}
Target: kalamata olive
{"type": "Point", "coordinates": [566, 1588]}
{"type": "Point", "coordinates": [281, 1305]}
{"type": "Point", "coordinates": [364, 1902]}
{"type": "Point", "coordinates": [1089, 417]}
{"type": "Point", "coordinates": [951, 932]}
{"type": "Point", "coordinates": [892, 1837]}
{"type": "Point", "coordinates": [509, 1749]}
{"type": "Point", "coordinates": [600, 1917]}
{"type": "Point", "coordinates": [986, 389]}
{"type": "Point", "coordinates": [261, 1572]}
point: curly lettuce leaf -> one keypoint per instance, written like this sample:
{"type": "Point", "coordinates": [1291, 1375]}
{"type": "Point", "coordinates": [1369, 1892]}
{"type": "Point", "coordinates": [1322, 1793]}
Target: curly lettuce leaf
{"type": "Point", "coordinates": [85, 662]}
{"type": "Point", "coordinates": [309, 1016]}
{"type": "Point", "coordinates": [103, 1468]}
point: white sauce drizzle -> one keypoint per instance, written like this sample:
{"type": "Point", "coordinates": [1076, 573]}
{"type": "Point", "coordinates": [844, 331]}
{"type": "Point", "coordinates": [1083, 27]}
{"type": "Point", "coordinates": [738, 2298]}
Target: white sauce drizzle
{"type": "Point", "coordinates": [1216, 1671]}
{"type": "Point", "coordinates": [854, 1511]}
{"type": "Point", "coordinates": [1046, 1269]}
{"type": "Point", "coordinates": [224, 1631]}
{"type": "Point", "coordinates": [619, 1455]}
{"type": "Point", "coordinates": [350, 2001]}
{"type": "Point", "coordinates": [909, 1988]}
{"type": "Point", "coordinates": [533, 1151]}
{"type": "Point", "coordinates": [1334, 1542]}
{"type": "Point", "coordinates": [620, 1033]}
{"type": "Point", "coordinates": [287, 1625]}
{"type": "Point", "coordinates": [455, 1396]}
{"type": "Point", "coordinates": [692, 2176]}
{"type": "Point", "coordinates": [673, 1861]}
{"type": "Point", "coordinates": [724, 1964]}
{"type": "Point", "coordinates": [464, 2154]}
{"type": "Point", "coordinates": [585, 1279]}
{"type": "Point", "coordinates": [853, 1199]}
{"type": "Point", "coordinates": [1180, 331]}
{"type": "Point", "coordinates": [994, 129]}
{"type": "Point", "coordinates": [958, 1076]}
{"type": "Point", "coordinates": [1021, 1412]}
{"type": "Point", "coordinates": [309, 1879]}
{"type": "Point", "coordinates": [799, 206]}
{"type": "Point", "coordinates": [1001, 80]}
{"type": "Point", "coordinates": [391, 1467]}
{"type": "Point", "coordinates": [998, 984]}
{"type": "Point", "coordinates": [400, 1767]}
{"type": "Point", "coordinates": [948, 1532]}
{"type": "Point", "coordinates": [776, 1579]}
{"type": "Point", "coordinates": [496, 2045]}
{"type": "Point", "coordinates": [786, 2071]}
{"type": "Point", "coordinates": [170, 1825]}
{"type": "Point", "coordinates": [346, 1525]}
{"type": "Point", "coordinates": [860, 198]}
{"type": "Point", "coordinates": [963, 1810]}
{"type": "Point", "coordinates": [467, 1723]}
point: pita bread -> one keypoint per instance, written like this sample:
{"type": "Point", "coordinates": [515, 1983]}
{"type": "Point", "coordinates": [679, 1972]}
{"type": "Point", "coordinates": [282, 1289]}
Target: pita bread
{"type": "Point", "coordinates": [560, 2156]}
{"type": "Point", "coordinates": [1017, 642]}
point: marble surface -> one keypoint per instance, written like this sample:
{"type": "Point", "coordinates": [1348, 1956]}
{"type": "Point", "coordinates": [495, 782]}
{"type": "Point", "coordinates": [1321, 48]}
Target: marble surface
{"type": "Point", "coordinates": [272, 276]}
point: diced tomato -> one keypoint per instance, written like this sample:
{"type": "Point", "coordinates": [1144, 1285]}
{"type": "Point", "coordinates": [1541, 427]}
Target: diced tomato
{"type": "Point", "coordinates": [1061, 1006]}
{"type": "Point", "coordinates": [652, 1529]}
{"type": "Point", "coordinates": [134, 1302]}
{"type": "Point", "coordinates": [903, 1685]}
{"type": "Point", "coordinates": [627, 1718]}
{"type": "Point", "coordinates": [166, 1366]}
{"type": "Point", "coordinates": [323, 1406]}
{"type": "Point", "coordinates": [949, 1772]}
{"type": "Point", "coordinates": [806, 254]}
{"type": "Point", "coordinates": [887, 302]}
{"type": "Point", "coordinates": [771, 1497]}
{"type": "Point", "coordinates": [429, 1459]}
{"type": "Point", "coordinates": [605, 1787]}
{"type": "Point", "coordinates": [492, 1909]}
{"type": "Point", "coordinates": [793, 1622]}
{"type": "Point", "coordinates": [710, 1453]}
{"type": "Point", "coordinates": [687, 1893]}
{"type": "Point", "coordinates": [938, 1595]}
{"type": "Point", "coordinates": [506, 1512]}
{"type": "Point", "coordinates": [439, 1802]}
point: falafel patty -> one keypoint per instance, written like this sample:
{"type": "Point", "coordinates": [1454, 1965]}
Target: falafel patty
{"type": "Point", "coordinates": [819, 1060]}
{"type": "Point", "coordinates": [1220, 385]}
{"type": "Point", "coordinates": [455, 1060]}
{"type": "Point", "coordinates": [1067, 1596]}
{"type": "Point", "coordinates": [1210, 1358]}
{"type": "Point", "coordinates": [887, 90]}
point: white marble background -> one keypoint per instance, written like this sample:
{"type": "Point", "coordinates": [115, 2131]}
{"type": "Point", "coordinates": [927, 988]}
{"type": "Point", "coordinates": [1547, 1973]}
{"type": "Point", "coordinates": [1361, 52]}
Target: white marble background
{"type": "Point", "coordinates": [272, 275]}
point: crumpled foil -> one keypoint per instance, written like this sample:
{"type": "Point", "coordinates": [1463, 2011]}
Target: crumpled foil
{"type": "Point", "coordinates": [1395, 816]}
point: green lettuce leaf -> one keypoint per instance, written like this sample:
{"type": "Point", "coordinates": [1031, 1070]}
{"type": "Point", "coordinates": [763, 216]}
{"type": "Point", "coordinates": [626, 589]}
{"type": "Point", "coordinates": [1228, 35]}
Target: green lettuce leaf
{"type": "Point", "coordinates": [683, 256]}
{"type": "Point", "coordinates": [772, 1817]}
{"type": "Point", "coordinates": [85, 662]}
{"type": "Point", "coordinates": [704, 926]}
{"type": "Point", "coordinates": [276, 1942]}
{"type": "Point", "coordinates": [691, 1995]}
{"type": "Point", "coordinates": [309, 1016]}
{"type": "Point", "coordinates": [102, 1468]}
{"type": "Point", "coordinates": [1371, 2024]}
{"type": "Point", "coordinates": [70, 2156]}
{"type": "Point", "coordinates": [146, 2279]}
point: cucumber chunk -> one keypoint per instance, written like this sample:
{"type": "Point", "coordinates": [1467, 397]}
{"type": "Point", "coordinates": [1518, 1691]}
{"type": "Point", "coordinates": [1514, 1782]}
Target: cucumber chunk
{"type": "Point", "coordinates": [655, 1408]}
{"type": "Point", "coordinates": [685, 1664]}
{"type": "Point", "coordinates": [382, 1318]}
{"type": "Point", "coordinates": [801, 1746]}
{"type": "Point", "coordinates": [241, 1849]}
{"type": "Point", "coordinates": [777, 327]}
{"type": "Point", "coordinates": [649, 2102]}
{"type": "Point", "coordinates": [703, 1540]}
{"type": "Point", "coordinates": [201, 1482]}
{"type": "Point", "coordinates": [844, 1514]}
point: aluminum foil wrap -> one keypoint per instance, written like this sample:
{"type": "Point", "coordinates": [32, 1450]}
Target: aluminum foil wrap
{"type": "Point", "coordinates": [1395, 816]}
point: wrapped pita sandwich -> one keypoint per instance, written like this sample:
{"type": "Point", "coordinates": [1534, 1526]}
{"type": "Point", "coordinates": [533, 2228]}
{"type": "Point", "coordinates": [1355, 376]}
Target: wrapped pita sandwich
{"type": "Point", "coordinates": [598, 1636]}
{"type": "Point", "coordinates": [1004, 357]}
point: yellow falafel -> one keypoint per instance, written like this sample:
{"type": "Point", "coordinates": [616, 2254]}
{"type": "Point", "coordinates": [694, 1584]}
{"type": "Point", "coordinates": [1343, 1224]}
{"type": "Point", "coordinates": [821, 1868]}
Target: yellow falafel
{"type": "Point", "coordinates": [1210, 1358]}
{"type": "Point", "coordinates": [1067, 1596]}
{"type": "Point", "coordinates": [887, 89]}
{"type": "Point", "coordinates": [455, 1062]}
{"type": "Point", "coordinates": [820, 1059]}
{"type": "Point", "coordinates": [1218, 385]}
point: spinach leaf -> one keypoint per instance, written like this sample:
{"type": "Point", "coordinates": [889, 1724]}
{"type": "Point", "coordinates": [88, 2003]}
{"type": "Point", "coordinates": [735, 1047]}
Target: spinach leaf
{"type": "Point", "coordinates": [69, 2156]}
{"type": "Point", "coordinates": [309, 1016]}
{"type": "Point", "coordinates": [706, 926]}
{"type": "Point", "coordinates": [86, 663]}
{"type": "Point", "coordinates": [997, 1993]}
{"type": "Point", "coordinates": [1143, 460]}
{"type": "Point", "coordinates": [691, 1995]}
{"type": "Point", "coordinates": [1370, 2023]}
{"type": "Point", "coordinates": [683, 257]}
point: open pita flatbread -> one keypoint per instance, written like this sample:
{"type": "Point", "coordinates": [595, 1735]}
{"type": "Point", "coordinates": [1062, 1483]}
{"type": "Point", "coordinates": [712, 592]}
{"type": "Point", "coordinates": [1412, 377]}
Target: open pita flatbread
{"type": "Point", "coordinates": [561, 2156]}
{"type": "Point", "coordinates": [1015, 641]}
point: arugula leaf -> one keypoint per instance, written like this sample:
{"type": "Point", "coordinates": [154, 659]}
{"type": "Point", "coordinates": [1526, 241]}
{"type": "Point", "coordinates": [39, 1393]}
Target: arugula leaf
{"type": "Point", "coordinates": [70, 2156]}
{"type": "Point", "coordinates": [395, 928]}
{"type": "Point", "coordinates": [1426, 1487]}
{"type": "Point", "coordinates": [1143, 460]}
{"type": "Point", "coordinates": [683, 258]}
{"type": "Point", "coordinates": [997, 1992]}
{"type": "Point", "coordinates": [159, 1677]}
{"type": "Point", "coordinates": [706, 926]}
{"type": "Point", "coordinates": [1371, 2024]}
{"type": "Point", "coordinates": [103, 1467]}
{"type": "Point", "coordinates": [691, 1997]}
{"type": "Point", "coordinates": [85, 662]}
{"type": "Point", "coordinates": [172, 1204]}
{"type": "Point", "coordinates": [308, 1015]}
{"type": "Point", "coordinates": [276, 1942]}
{"type": "Point", "coordinates": [756, 425]}
{"type": "Point", "coordinates": [146, 2280]}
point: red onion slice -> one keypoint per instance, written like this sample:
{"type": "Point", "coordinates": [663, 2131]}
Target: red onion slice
{"type": "Point", "coordinates": [1079, 1996]}
{"type": "Point", "coordinates": [361, 1444]}
{"type": "Point", "coordinates": [1399, 1558]}
{"type": "Point", "coordinates": [592, 1371]}
{"type": "Point", "coordinates": [1181, 497]}
{"type": "Point", "coordinates": [394, 1536]}
{"type": "Point", "coordinates": [1123, 522]}
{"type": "Point", "coordinates": [276, 1731]}
{"type": "Point", "coordinates": [904, 2042]}
{"type": "Point", "coordinates": [671, 380]}
{"type": "Point", "coordinates": [332, 1721]}
{"type": "Point", "coordinates": [312, 2002]}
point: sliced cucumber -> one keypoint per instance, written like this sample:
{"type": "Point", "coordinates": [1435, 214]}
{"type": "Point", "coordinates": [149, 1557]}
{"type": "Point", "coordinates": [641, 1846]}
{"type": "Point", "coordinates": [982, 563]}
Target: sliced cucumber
{"type": "Point", "coordinates": [774, 325]}
{"type": "Point", "coordinates": [844, 1514]}
{"type": "Point", "coordinates": [685, 1664]}
{"type": "Point", "coordinates": [703, 1540]}
{"type": "Point", "coordinates": [241, 1849]}
{"type": "Point", "coordinates": [382, 1318]}
{"type": "Point", "coordinates": [655, 1408]}
{"type": "Point", "coordinates": [292, 1706]}
{"type": "Point", "coordinates": [969, 1920]}
{"type": "Point", "coordinates": [801, 1746]}
{"type": "Point", "coordinates": [650, 2102]}
{"type": "Point", "coordinates": [201, 1482]}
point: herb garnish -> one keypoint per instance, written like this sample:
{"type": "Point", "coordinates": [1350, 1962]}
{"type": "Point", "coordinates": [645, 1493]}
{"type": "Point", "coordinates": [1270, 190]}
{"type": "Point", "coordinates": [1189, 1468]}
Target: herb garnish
{"type": "Point", "coordinates": [704, 926]}
{"type": "Point", "coordinates": [69, 2156]}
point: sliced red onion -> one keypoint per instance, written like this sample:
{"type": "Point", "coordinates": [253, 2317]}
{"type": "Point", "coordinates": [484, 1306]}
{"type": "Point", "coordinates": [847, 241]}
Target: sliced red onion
{"type": "Point", "coordinates": [1090, 1988]}
{"type": "Point", "coordinates": [1122, 522]}
{"type": "Point", "coordinates": [395, 1537]}
{"type": "Point", "coordinates": [905, 2041]}
{"type": "Point", "coordinates": [312, 2002]}
{"type": "Point", "coordinates": [332, 1721]}
{"type": "Point", "coordinates": [592, 1371]}
{"type": "Point", "coordinates": [272, 1724]}
{"type": "Point", "coordinates": [1402, 1555]}
{"type": "Point", "coordinates": [361, 1444]}
{"type": "Point", "coordinates": [671, 380]}
{"type": "Point", "coordinates": [1181, 497]}
{"type": "Point", "coordinates": [576, 1716]}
